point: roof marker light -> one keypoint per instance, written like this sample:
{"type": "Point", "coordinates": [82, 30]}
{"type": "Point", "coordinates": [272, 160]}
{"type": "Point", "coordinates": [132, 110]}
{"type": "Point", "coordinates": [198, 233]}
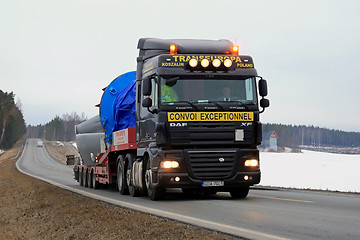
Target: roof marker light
{"type": "Point", "coordinates": [227, 63]}
{"type": "Point", "coordinates": [193, 62]}
{"type": "Point", "coordinates": [235, 50]}
{"type": "Point", "coordinates": [205, 62]}
{"type": "Point", "coordinates": [173, 49]}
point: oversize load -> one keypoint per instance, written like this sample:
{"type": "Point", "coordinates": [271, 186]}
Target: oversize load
{"type": "Point", "coordinates": [210, 116]}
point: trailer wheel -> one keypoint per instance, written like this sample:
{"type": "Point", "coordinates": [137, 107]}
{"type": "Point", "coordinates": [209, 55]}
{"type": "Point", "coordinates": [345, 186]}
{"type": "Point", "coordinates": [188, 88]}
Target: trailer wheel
{"type": "Point", "coordinates": [89, 178]}
{"type": "Point", "coordinates": [129, 176]}
{"type": "Point", "coordinates": [121, 176]}
{"type": "Point", "coordinates": [85, 178]}
{"type": "Point", "coordinates": [240, 192]}
{"type": "Point", "coordinates": [95, 184]}
{"type": "Point", "coordinates": [76, 173]}
{"type": "Point", "coordinates": [81, 179]}
{"type": "Point", "coordinates": [154, 193]}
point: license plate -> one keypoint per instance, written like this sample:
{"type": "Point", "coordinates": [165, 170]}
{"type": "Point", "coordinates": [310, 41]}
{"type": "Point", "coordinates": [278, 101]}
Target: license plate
{"type": "Point", "coordinates": [213, 184]}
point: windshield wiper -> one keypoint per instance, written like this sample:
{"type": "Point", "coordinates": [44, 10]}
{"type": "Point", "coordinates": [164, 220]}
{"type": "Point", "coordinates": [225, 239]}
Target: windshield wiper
{"type": "Point", "coordinates": [190, 103]}
{"type": "Point", "coordinates": [241, 103]}
{"type": "Point", "coordinates": [217, 104]}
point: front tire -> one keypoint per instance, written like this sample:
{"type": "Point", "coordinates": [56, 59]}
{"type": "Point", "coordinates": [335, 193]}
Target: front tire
{"type": "Point", "coordinates": [154, 193]}
{"type": "Point", "coordinates": [240, 192]}
{"type": "Point", "coordinates": [121, 176]}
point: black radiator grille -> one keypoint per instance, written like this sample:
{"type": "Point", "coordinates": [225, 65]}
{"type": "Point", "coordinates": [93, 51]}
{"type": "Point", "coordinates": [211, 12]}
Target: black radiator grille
{"type": "Point", "coordinates": [204, 133]}
{"type": "Point", "coordinates": [211, 134]}
{"type": "Point", "coordinates": [211, 164]}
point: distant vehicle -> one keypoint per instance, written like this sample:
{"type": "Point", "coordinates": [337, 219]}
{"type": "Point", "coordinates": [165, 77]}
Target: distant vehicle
{"type": "Point", "coordinates": [187, 118]}
{"type": "Point", "coordinates": [40, 143]}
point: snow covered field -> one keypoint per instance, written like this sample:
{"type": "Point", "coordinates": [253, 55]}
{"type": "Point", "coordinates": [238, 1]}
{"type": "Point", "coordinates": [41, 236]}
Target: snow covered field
{"type": "Point", "coordinates": [311, 170]}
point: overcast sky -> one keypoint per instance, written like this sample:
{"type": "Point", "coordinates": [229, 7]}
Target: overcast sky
{"type": "Point", "coordinates": [57, 55]}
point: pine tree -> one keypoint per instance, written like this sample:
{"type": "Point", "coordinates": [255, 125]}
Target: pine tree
{"type": "Point", "coordinates": [12, 124]}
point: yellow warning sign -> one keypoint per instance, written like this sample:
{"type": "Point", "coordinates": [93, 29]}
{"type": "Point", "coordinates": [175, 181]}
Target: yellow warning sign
{"type": "Point", "coordinates": [210, 116]}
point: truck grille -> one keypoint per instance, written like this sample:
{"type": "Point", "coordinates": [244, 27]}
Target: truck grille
{"type": "Point", "coordinates": [204, 133]}
{"type": "Point", "coordinates": [212, 164]}
{"type": "Point", "coordinates": [211, 134]}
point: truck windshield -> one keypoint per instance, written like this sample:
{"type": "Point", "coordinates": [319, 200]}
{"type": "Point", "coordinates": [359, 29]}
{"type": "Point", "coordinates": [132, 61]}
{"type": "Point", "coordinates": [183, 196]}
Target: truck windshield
{"type": "Point", "coordinates": [214, 91]}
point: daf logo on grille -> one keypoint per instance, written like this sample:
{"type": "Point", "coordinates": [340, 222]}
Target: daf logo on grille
{"type": "Point", "coordinates": [221, 160]}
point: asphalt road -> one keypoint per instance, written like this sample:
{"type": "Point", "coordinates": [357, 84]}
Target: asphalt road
{"type": "Point", "coordinates": [264, 214]}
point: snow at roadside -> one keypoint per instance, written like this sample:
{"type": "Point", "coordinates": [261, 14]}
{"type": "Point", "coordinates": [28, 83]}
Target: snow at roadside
{"type": "Point", "coordinates": [1, 151]}
{"type": "Point", "coordinates": [311, 170]}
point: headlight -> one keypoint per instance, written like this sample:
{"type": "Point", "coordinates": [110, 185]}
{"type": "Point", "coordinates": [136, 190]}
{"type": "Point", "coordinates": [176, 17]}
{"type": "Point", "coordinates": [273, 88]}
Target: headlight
{"type": "Point", "coordinates": [169, 164]}
{"type": "Point", "coordinates": [251, 163]}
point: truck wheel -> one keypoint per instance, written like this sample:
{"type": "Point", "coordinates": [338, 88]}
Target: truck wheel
{"type": "Point", "coordinates": [154, 193]}
{"type": "Point", "coordinates": [241, 192]}
{"type": "Point", "coordinates": [95, 184]}
{"type": "Point", "coordinates": [81, 179]}
{"type": "Point", "coordinates": [134, 192]}
{"type": "Point", "coordinates": [89, 178]}
{"type": "Point", "coordinates": [121, 176]}
{"type": "Point", "coordinates": [85, 174]}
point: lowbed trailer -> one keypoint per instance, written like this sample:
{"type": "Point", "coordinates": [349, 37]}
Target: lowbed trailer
{"type": "Point", "coordinates": [104, 172]}
{"type": "Point", "coordinates": [188, 118]}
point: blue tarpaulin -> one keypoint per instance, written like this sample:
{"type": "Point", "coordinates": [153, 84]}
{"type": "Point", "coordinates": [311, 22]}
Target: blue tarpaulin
{"type": "Point", "coordinates": [117, 106]}
{"type": "Point", "coordinates": [124, 108]}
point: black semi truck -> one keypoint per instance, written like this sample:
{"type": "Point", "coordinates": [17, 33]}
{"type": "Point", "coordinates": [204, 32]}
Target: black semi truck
{"type": "Point", "coordinates": [187, 118]}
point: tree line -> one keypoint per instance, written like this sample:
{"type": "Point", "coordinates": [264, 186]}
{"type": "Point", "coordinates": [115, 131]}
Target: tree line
{"type": "Point", "coordinates": [58, 129]}
{"type": "Point", "coordinates": [12, 123]}
{"type": "Point", "coordinates": [294, 136]}
{"type": "Point", "coordinates": [63, 129]}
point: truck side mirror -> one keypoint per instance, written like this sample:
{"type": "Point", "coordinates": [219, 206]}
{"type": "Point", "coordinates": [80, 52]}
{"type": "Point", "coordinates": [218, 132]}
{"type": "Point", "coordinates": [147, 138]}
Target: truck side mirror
{"type": "Point", "coordinates": [147, 102]}
{"type": "Point", "coordinates": [263, 88]}
{"type": "Point", "coordinates": [146, 87]}
{"type": "Point", "coordinates": [264, 103]}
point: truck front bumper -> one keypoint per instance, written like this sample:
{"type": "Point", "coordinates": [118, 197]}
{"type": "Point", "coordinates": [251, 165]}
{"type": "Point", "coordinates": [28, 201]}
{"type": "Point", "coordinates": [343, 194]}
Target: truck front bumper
{"type": "Point", "coordinates": [169, 180]}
